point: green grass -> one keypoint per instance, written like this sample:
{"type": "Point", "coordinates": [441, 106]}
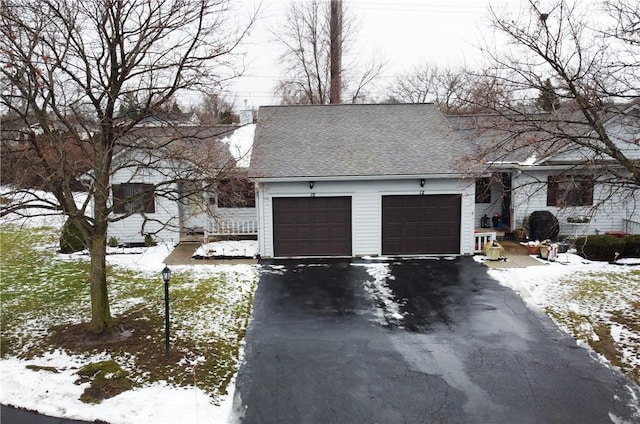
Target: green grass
{"type": "Point", "coordinates": [598, 302]}
{"type": "Point", "coordinates": [45, 300]}
{"type": "Point", "coordinates": [107, 379]}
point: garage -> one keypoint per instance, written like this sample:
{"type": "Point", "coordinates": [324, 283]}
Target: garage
{"type": "Point", "coordinates": [312, 226]}
{"type": "Point", "coordinates": [426, 224]}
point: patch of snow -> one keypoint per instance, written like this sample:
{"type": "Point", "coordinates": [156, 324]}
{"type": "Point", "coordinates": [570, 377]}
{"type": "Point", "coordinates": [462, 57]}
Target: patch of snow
{"type": "Point", "coordinates": [272, 269]}
{"type": "Point", "coordinates": [229, 248]}
{"type": "Point", "coordinates": [429, 257]}
{"type": "Point", "coordinates": [387, 309]}
{"type": "Point", "coordinates": [241, 143]}
{"type": "Point", "coordinates": [145, 259]}
{"type": "Point", "coordinates": [628, 261]}
{"type": "Point", "coordinates": [531, 160]}
{"type": "Point", "coordinates": [375, 258]}
{"type": "Point", "coordinates": [35, 216]}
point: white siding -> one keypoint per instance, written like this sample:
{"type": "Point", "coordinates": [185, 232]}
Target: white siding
{"type": "Point", "coordinates": [164, 221]}
{"type": "Point", "coordinates": [608, 213]}
{"type": "Point", "coordinates": [366, 203]}
{"type": "Point", "coordinates": [490, 208]}
{"type": "Point", "coordinates": [129, 230]}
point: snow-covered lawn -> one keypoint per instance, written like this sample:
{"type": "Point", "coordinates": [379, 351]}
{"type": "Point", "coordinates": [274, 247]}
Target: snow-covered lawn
{"type": "Point", "coordinates": [596, 302]}
{"type": "Point", "coordinates": [44, 292]}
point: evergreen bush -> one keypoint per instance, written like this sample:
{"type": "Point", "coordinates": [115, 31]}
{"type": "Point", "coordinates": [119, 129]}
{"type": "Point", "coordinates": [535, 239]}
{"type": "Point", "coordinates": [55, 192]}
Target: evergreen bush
{"type": "Point", "coordinates": [71, 239]}
{"type": "Point", "coordinates": [631, 246]}
{"type": "Point", "coordinates": [600, 247]}
{"type": "Point", "coordinates": [113, 242]}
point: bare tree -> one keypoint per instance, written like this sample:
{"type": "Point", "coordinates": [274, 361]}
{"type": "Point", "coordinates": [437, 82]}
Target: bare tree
{"type": "Point", "coordinates": [595, 75]}
{"type": "Point", "coordinates": [455, 91]}
{"type": "Point", "coordinates": [306, 39]}
{"type": "Point", "coordinates": [68, 65]}
{"type": "Point", "coordinates": [215, 108]}
{"type": "Point", "coordinates": [483, 91]}
{"type": "Point", "coordinates": [421, 85]}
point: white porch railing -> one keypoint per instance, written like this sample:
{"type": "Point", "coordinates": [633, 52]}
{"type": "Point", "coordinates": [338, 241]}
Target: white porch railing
{"type": "Point", "coordinates": [483, 238]}
{"type": "Point", "coordinates": [234, 228]}
{"type": "Point", "coordinates": [631, 226]}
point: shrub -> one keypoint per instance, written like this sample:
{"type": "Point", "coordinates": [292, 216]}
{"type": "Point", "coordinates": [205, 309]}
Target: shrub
{"type": "Point", "coordinates": [71, 239]}
{"type": "Point", "coordinates": [600, 247]}
{"type": "Point", "coordinates": [631, 246]}
{"type": "Point", "coordinates": [113, 242]}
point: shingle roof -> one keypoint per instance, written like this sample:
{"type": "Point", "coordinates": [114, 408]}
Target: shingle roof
{"type": "Point", "coordinates": [494, 138]}
{"type": "Point", "coordinates": [545, 137]}
{"type": "Point", "coordinates": [198, 144]}
{"type": "Point", "coordinates": [354, 140]}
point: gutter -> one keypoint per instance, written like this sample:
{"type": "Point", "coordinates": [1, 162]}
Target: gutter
{"type": "Point", "coordinates": [358, 178]}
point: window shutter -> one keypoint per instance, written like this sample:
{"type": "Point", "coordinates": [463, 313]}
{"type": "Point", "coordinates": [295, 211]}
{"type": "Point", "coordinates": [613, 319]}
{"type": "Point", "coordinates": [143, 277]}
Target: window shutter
{"type": "Point", "coordinates": [483, 190]}
{"type": "Point", "coordinates": [586, 195]}
{"type": "Point", "coordinates": [225, 192]}
{"type": "Point", "coordinates": [118, 198]}
{"type": "Point", "coordinates": [552, 191]}
{"type": "Point", "coordinates": [149, 198]}
{"type": "Point", "coordinates": [249, 195]}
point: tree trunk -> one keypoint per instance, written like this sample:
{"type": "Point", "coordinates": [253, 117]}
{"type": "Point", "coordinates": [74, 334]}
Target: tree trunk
{"type": "Point", "coordinates": [101, 320]}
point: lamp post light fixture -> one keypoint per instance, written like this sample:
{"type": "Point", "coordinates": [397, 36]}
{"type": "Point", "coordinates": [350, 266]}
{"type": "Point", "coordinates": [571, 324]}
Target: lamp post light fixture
{"type": "Point", "coordinates": [166, 276]}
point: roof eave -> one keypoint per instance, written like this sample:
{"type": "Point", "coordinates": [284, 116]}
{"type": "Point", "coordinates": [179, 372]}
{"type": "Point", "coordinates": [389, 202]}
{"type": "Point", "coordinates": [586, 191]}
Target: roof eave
{"type": "Point", "coordinates": [266, 179]}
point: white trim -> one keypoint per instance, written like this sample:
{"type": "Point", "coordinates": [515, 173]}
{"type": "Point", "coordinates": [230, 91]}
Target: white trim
{"type": "Point", "coordinates": [366, 207]}
{"type": "Point", "coordinates": [347, 178]}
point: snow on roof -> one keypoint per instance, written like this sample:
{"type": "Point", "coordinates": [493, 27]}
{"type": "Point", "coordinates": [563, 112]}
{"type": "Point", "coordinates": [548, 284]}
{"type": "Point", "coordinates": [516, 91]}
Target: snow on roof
{"type": "Point", "coordinates": [241, 143]}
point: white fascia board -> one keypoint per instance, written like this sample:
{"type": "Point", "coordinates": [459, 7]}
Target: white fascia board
{"type": "Point", "coordinates": [520, 167]}
{"type": "Point", "coordinates": [357, 178]}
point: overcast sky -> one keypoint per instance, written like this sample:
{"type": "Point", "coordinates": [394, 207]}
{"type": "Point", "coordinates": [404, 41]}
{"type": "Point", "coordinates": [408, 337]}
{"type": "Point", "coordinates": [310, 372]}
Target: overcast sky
{"type": "Point", "coordinates": [405, 33]}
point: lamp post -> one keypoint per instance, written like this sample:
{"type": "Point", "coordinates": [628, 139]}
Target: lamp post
{"type": "Point", "coordinates": [166, 275]}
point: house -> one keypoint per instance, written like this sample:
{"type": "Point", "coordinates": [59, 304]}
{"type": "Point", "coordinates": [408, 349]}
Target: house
{"type": "Point", "coordinates": [584, 192]}
{"type": "Point", "coordinates": [173, 119]}
{"type": "Point", "coordinates": [179, 182]}
{"type": "Point", "coordinates": [358, 180]}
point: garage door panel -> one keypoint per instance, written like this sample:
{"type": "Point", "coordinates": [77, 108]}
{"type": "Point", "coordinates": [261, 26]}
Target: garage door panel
{"type": "Point", "coordinates": [312, 226]}
{"type": "Point", "coordinates": [428, 224]}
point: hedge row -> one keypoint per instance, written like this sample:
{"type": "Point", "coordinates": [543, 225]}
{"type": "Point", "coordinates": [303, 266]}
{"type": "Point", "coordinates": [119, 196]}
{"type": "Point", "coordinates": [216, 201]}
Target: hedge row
{"type": "Point", "coordinates": [608, 248]}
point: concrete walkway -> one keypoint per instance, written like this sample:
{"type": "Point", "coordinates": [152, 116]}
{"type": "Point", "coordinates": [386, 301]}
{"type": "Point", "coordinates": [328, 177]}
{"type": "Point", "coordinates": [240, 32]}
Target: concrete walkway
{"type": "Point", "coordinates": [517, 257]}
{"type": "Point", "coordinates": [516, 254]}
{"type": "Point", "coordinates": [181, 255]}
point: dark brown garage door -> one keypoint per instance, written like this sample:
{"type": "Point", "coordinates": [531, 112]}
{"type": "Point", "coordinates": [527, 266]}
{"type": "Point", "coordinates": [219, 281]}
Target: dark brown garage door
{"type": "Point", "coordinates": [415, 225]}
{"type": "Point", "coordinates": [312, 226]}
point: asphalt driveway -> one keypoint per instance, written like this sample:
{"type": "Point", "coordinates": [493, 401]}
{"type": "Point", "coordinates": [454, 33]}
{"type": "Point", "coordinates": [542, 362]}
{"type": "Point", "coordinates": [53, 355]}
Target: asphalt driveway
{"type": "Point", "coordinates": [413, 341]}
